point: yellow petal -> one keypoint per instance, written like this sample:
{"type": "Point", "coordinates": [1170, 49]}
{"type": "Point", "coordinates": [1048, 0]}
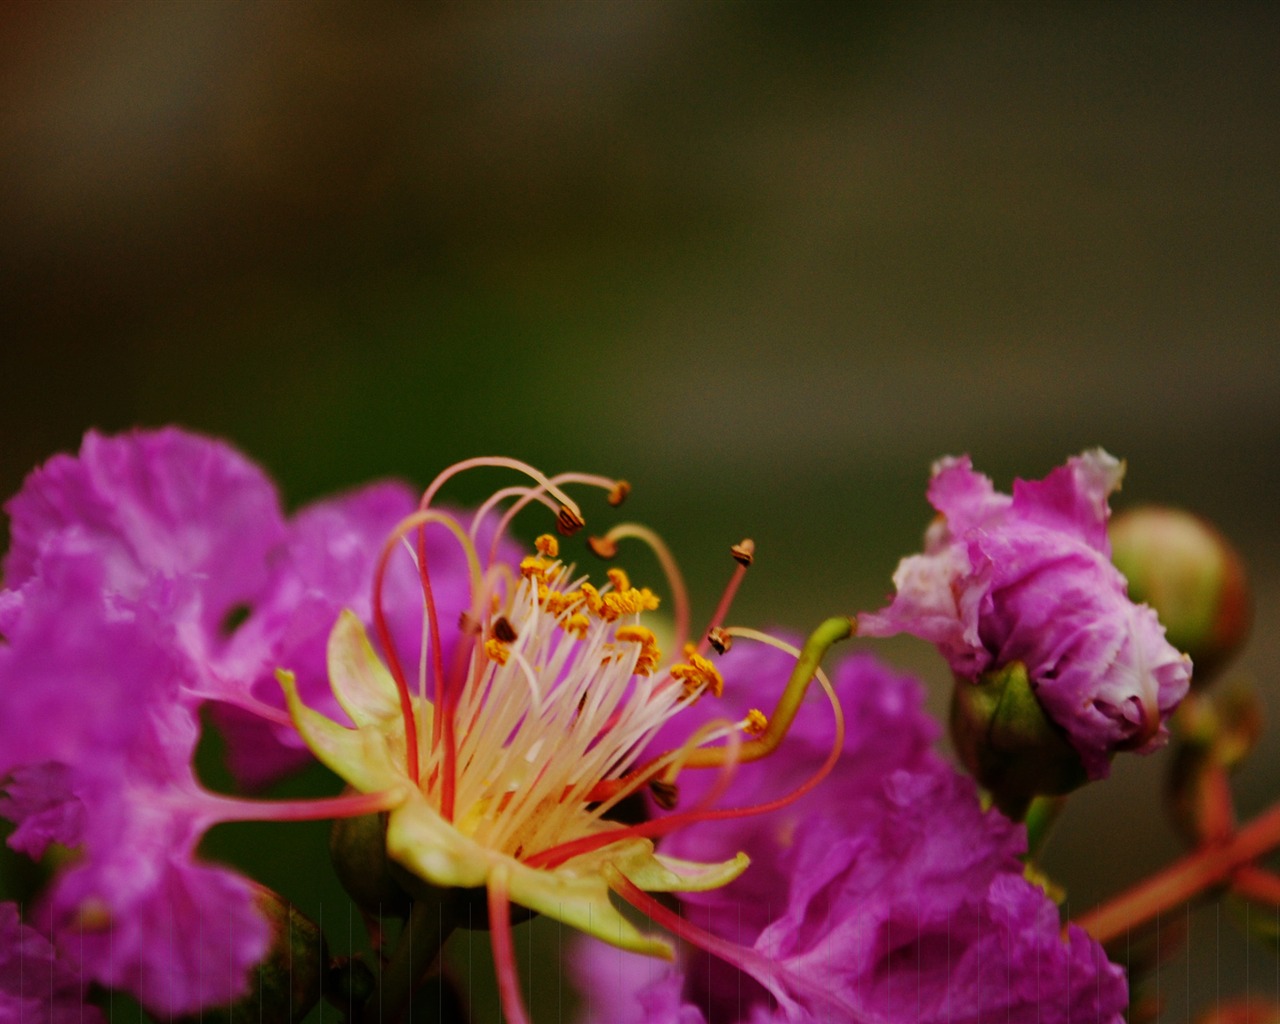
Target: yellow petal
{"type": "Point", "coordinates": [361, 757]}
{"type": "Point", "coordinates": [360, 681]}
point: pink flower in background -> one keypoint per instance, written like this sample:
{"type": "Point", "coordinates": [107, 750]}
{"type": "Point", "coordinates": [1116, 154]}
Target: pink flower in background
{"type": "Point", "coordinates": [886, 894]}
{"type": "Point", "coordinates": [151, 574]}
{"type": "Point", "coordinates": [1028, 579]}
{"type": "Point", "coordinates": [35, 985]}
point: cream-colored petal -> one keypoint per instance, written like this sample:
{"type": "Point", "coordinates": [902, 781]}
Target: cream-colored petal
{"type": "Point", "coordinates": [575, 893]}
{"type": "Point", "coordinates": [361, 757]}
{"type": "Point", "coordinates": [582, 902]}
{"type": "Point", "coordinates": [669, 874]}
{"type": "Point", "coordinates": [360, 681]}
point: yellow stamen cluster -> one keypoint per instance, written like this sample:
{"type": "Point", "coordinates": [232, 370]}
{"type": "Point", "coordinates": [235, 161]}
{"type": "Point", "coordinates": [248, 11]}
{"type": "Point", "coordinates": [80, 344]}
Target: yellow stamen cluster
{"type": "Point", "coordinates": [697, 673]}
{"type": "Point", "coordinates": [534, 567]}
{"type": "Point", "coordinates": [584, 602]}
{"type": "Point", "coordinates": [756, 723]}
{"type": "Point", "coordinates": [649, 655]}
{"type": "Point", "coordinates": [613, 604]}
{"type": "Point", "coordinates": [497, 650]}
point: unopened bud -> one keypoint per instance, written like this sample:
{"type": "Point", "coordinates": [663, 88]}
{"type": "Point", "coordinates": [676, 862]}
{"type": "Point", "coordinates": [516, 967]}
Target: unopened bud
{"type": "Point", "coordinates": [1194, 579]}
{"type": "Point", "coordinates": [1003, 736]}
{"type": "Point", "coordinates": [358, 849]}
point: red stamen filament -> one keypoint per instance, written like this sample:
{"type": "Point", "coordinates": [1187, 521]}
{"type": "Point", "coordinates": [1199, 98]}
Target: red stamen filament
{"type": "Point", "coordinates": [531, 494]}
{"type": "Point", "coordinates": [393, 660]}
{"type": "Point", "coordinates": [417, 521]}
{"type": "Point", "coordinates": [220, 808]}
{"type": "Point", "coordinates": [722, 609]}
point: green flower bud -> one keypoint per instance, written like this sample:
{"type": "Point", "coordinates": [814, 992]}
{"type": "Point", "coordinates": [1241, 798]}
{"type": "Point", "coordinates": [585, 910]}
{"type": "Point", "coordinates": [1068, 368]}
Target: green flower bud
{"type": "Point", "coordinates": [287, 984]}
{"type": "Point", "coordinates": [1193, 578]}
{"type": "Point", "coordinates": [358, 849]}
{"type": "Point", "coordinates": [1003, 736]}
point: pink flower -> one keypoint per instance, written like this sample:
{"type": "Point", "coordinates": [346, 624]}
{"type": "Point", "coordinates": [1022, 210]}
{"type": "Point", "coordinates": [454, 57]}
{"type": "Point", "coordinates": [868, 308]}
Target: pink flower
{"type": "Point", "coordinates": [1028, 579]}
{"type": "Point", "coordinates": [35, 985]}
{"type": "Point", "coordinates": [151, 574]}
{"type": "Point", "coordinates": [887, 894]}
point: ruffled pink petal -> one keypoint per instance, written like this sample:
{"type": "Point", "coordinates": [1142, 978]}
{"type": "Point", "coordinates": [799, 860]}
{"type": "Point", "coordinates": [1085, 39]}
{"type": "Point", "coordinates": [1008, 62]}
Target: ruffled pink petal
{"type": "Point", "coordinates": [36, 984]}
{"type": "Point", "coordinates": [1029, 580]}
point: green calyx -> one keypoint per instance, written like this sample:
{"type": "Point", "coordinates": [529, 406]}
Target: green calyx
{"type": "Point", "coordinates": [1008, 743]}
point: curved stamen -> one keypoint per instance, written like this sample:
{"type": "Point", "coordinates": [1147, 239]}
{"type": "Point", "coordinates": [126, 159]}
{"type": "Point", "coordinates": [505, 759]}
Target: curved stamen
{"type": "Point", "coordinates": [416, 521]}
{"type": "Point", "coordinates": [717, 756]}
{"type": "Point", "coordinates": [497, 461]}
{"type": "Point", "coordinates": [784, 713]}
{"type": "Point", "coordinates": [526, 495]}
{"type": "Point", "coordinates": [744, 554]}
{"type": "Point", "coordinates": [604, 546]}
{"type": "Point", "coordinates": [531, 494]}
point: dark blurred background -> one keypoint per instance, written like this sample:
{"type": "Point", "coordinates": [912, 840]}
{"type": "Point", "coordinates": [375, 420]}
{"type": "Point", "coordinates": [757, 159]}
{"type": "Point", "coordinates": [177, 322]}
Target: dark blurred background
{"type": "Point", "coordinates": [767, 260]}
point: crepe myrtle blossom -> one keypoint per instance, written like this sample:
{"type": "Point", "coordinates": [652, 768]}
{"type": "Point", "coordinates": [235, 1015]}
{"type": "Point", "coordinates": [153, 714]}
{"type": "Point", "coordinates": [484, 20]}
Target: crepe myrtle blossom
{"type": "Point", "coordinates": [1023, 585]}
{"type": "Point", "coordinates": [151, 575]}
{"type": "Point", "coordinates": [185, 520]}
{"type": "Point", "coordinates": [508, 760]}
{"type": "Point", "coordinates": [889, 890]}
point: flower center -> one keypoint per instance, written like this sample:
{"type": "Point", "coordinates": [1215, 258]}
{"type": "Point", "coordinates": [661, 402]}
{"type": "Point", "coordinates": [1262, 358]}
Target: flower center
{"type": "Point", "coordinates": [563, 692]}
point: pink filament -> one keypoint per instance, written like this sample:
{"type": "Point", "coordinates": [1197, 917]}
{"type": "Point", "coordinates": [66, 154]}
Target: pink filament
{"type": "Point", "coordinates": [350, 805]}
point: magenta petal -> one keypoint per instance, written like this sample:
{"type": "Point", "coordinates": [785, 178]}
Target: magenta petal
{"type": "Point", "coordinates": [890, 884]}
{"type": "Point", "coordinates": [149, 503]}
{"type": "Point", "coordinates": [42, 800]}
{"type": "Point", "coordinates": [179, 935]}
{"type": "Point", "coordinates": [1029, 580]}
{"type": "Point", "coordinates": [35, 983]}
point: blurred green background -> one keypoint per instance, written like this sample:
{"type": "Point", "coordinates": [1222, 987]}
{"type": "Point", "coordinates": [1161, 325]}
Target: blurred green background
{"type": "Point", "coordinates": [767, 260]}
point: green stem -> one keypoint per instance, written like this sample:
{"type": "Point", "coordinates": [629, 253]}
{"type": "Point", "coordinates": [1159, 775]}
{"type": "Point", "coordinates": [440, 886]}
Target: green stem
{"type": "Point", "coordinates": [431, 922]}
{"type": "Point", "coordinates": [820, 641]}
{"type": "Point", "coordinates": [1041, 817]}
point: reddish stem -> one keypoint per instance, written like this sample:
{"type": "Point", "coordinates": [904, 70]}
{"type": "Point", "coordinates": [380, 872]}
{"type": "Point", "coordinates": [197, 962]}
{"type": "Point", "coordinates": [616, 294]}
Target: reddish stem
{"type": "Point", "coordinates": [1207, 867]}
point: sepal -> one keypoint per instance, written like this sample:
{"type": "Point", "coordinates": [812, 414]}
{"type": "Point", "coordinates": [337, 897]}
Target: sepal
{"type": "Point", "coordinates": [1008, 743]}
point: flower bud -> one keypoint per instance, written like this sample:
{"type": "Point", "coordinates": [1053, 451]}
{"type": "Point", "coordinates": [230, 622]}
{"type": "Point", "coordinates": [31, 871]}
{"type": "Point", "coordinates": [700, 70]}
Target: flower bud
{"type": "Point", "coordinates": [1027, 578]}
{"type": "Point", "coordinates": [1194, 579]}
{"type": "Point", "coordinates": [358, 849]}
{"type": "Point", "coordinates": [287, 984]}
{"type": "Point", "coordinates": [1008, 743]}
